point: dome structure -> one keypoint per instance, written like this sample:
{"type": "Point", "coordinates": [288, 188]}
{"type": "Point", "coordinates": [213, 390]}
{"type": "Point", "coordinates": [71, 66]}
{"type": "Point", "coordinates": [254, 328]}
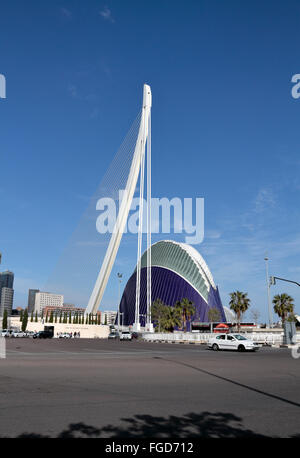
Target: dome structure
{"type": "Point", "coordinates": [178, 271]}
{"type": "Point", "coordinates": [230, 315]}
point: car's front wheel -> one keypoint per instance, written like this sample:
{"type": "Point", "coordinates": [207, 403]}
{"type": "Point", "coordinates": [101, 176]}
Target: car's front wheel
{"type": "Point", "coordinates": [215, 347]}
{"type": "Point", "coordinates": [241, 348]}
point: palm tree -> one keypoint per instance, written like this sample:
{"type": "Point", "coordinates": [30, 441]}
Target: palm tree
{"type": "Point", "coordinates": [187, 310]}
{"type": "Point", "coordinates": [283, 304]}
{"type": "Point", "coordinates": [171, 318]}
{"type": "Point", "coordinates": [239, 303]}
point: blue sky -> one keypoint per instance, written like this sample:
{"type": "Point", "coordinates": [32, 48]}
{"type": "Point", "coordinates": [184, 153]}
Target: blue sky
{"type": "Point", "coordinates": [224, 127]}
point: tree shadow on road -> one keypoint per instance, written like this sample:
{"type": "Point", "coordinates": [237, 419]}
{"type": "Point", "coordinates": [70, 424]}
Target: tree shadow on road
{"type": "Point", "coordinates": [204, 425]}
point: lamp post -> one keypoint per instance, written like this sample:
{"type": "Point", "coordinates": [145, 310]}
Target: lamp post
{"type": "Point", "coordinates": [268, 291]}
{"type": "Point", "coordinates": [120, 281]}
{"type": "Point", "coordinates": [122, 323]}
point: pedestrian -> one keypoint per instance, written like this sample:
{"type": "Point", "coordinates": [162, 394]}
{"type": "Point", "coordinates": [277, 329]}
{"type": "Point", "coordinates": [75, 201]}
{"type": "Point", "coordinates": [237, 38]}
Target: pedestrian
{"type": "Point", "coordinates": [75, 335]}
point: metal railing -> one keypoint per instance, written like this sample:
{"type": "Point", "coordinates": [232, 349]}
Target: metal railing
{"type": "Point", "coordinates": [202, 338]}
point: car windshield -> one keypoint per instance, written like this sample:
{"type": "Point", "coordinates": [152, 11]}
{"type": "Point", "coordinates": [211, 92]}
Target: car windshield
{"type": "Point", "coordinates": [239, 337]}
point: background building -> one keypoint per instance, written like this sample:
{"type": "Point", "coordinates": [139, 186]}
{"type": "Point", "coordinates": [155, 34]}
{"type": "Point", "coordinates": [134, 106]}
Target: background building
{"type": "Point", "coordinates": [65, 308]}
{"type": "Point", "coordinates": [44, 299]}
{"type": "Point", "coordinates": [178, 271]}
{"type": "Point", "coordinates": [7, 298]}
{"type": "Point", "coordinates": [31, 299]}
{"type": "Point", "coordinates": [6, 292]}
{"type": "Point", "coordinates": [108, 317]}
{"type": "Point", "coordinates": [6, 279]}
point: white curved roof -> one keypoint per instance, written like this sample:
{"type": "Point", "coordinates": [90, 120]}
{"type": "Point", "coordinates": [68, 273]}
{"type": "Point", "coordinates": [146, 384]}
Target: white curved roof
{"type": "Point", "coordinates": [200, 261]}
{"type": "Point", "coordinates": [183, 259]}
{"type": "Point", "coordinates": [229, 314]}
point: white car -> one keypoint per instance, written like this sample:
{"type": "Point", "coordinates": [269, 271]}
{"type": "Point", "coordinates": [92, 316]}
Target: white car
{"type": "Point", "coordinates": [64, 335]}
{"type": "Point", "coordinates": [125, 335]}
{"type": "Point", "coordinates": [232, 342]}
{"type": "Point", "coordinates": [18, 334]}
{"type": "Point", "coordinates": [29, 333]}
{"type": "Point", "coordinates": [6, 333]}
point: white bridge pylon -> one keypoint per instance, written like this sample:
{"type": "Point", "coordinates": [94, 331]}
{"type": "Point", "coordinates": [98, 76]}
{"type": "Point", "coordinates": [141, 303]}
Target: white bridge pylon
{"type": "Point", "coordinates": [136, 169]}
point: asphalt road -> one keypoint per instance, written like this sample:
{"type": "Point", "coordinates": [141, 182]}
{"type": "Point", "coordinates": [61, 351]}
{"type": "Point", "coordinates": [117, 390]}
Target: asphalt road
{"type": "Point", "coordinates": [100, 388]}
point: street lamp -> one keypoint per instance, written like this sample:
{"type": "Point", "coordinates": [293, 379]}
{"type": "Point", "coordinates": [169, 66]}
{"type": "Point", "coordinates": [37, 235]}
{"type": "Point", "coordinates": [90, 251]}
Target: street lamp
{"type": "Point", "coordinates": [120, 281]}
{"type": "Point", "coordinates": [269, 296]}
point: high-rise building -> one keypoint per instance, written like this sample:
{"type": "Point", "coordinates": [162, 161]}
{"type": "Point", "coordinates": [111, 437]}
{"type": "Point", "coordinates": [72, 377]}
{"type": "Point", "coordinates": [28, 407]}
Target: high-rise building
{"type": "Point", "coordinates": [6, 279]}
{"type": "Point", "coordinates": [6, 291]}
{"type": "Point", "coordinates": [44, 299]}
{"type": "Point", "coordinates": [31, 299]}
{"type": "Point", "coordinates": [6, 303]}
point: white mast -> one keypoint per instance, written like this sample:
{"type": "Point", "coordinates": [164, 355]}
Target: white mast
{"type": "Point", "coordinates": [149, 325]}
{"type": "Point", "coordinates": [136, 166]}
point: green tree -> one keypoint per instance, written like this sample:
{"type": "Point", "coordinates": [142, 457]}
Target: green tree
{"type": "Point", "coordinates": [157, 313]}
{"type": "Point", "coordinates": [105, 320]}
{"type": "Point", "coordinates": [187, 310]}
{"type": "Point", "coordinates": [36, 317]}
{"type": "Point", "coordinates": [24, 321]}
{"type": "Point", "coordinates": [86, 319]}
{"type": "Point", "coordinates": [70, 318]}
{"type": "Point", "coordinates": [46, 320]}
{"type": "Point", "coordinates": [239, 303]}
{"type": "Point", "coordinates": [21, 315]}
{"type": "Point", "coordinates": [31, 318]}
{"type": "Point", "coordinates": [55, 318]}
{"type": "Point", "coordinates": [214, 315]}
{"type": "Point", "coordinates": [283, 304]}
{"type": "Point", "coordinates": [51, 317]}
{"type": "Point", "coordinates": [4, 319]}
{"type": "Point", "coordinates": [60, 316]}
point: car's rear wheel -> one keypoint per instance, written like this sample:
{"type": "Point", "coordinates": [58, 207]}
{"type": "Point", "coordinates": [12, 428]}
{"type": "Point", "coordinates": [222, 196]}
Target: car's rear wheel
{"type": "Point", "coordinates": [241, 348]}
{"type": "Point", "coordinates": [215, 347]}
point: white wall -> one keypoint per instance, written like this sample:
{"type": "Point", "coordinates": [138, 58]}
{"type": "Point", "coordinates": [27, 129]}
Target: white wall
{"type": "Point", "coordinates": [88, 331]}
